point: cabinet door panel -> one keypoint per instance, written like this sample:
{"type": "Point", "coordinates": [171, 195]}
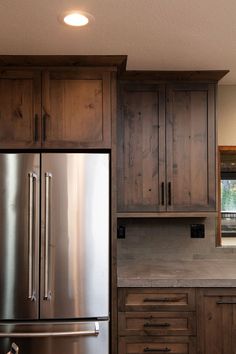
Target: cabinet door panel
{"type": "Point", "coordinates": [19, 109]}
{"type": "Point", "coordinates": [190, 148]}
{"type": "Point", "coordinates": [141, 148]}
{"type": "Point", "coordinates": [77, 110]}
{"type": "Point", "coordinates": [217, 321]}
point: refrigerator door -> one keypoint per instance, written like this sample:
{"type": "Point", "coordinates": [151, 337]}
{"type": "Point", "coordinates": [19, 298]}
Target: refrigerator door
{"type": "Point", "coordinates": [75, 235]}
{"type": "Point", "coordinates": [19, 235]}
{"type": "Point", "coordinates": [59, 338]}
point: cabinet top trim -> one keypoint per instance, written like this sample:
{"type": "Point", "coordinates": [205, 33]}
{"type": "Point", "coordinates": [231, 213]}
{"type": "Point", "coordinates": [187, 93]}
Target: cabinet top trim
{"type": "Point", "coordinates": [165, 76]}
{"type": "Point", "coordinates": [116, 61]}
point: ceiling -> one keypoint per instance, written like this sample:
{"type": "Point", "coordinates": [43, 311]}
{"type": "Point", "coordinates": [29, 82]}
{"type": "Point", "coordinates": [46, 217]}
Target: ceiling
{"type": "Point", "coordinates": [155, 34]}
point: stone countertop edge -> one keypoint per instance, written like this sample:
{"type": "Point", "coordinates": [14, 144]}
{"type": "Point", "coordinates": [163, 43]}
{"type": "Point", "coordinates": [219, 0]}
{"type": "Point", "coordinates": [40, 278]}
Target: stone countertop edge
{"type": "Point", "coordinates": [168, 283]}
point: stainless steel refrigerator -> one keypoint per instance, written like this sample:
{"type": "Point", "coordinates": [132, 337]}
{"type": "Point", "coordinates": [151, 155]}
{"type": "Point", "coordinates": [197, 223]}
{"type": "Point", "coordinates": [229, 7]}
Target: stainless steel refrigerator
{"type": "Point", "coordinates": [54, 252]}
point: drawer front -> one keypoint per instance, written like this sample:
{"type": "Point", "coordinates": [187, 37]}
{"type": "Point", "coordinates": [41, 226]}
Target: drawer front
{"type": "Point", "coordinates": [157, 323]}
{"type": "Point", "coordinates": [152, 299]}
{"type": "Point", "coordinates": [176, 345]}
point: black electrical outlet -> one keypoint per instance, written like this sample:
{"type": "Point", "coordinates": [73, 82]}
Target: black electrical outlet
{"type": "Point", "coordinates": [121, 231]}
{"type": "Point", "coordinates": [197, 230]}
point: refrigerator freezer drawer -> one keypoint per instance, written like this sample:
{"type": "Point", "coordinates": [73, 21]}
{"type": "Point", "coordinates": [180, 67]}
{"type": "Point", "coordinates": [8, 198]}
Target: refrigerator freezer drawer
{"type": "Point", "coordinates": [57, 337]}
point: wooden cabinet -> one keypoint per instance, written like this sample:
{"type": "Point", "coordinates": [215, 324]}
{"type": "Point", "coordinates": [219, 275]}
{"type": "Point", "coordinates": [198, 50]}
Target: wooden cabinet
{"type": "Point", "coordinates": [141, 142]}
{"type": "Point", "coordinates": [55, 108]}
{"type": "Point", "coordinates": [77, 108]}
{"type": "Point", "coordinates": [156, 320]}
{"type": "Point", "coordinates": [166, 150]}
{"type": "Point", "coordinates": [20, 108]}
{"type": "Point", "coordinates": [217, 321]}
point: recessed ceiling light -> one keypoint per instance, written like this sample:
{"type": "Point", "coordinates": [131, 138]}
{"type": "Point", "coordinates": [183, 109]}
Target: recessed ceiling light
{"type": "Point", "coordinates": [75, 18]}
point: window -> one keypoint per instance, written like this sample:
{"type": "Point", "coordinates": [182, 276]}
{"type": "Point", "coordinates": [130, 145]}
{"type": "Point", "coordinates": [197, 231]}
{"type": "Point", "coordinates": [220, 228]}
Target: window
{"type": "Point", "coordinates": [227, 197]}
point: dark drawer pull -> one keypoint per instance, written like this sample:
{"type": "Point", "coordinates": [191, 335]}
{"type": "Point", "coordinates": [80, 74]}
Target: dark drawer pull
{"type": "Point", "coordinates": [162, 193]}
{"type": "Point", "coordinates": [157, 350]}
{"type": "Point", "coordinates": [169, 193]}
{"type": "Point", "coordinates": [163, 299]}
{"type": "Point", "coordinates": [36, 134]}
{"type": "Point", "coordinates": [222, 302]}
{"type": "Point", "coordinates": [147, 325]}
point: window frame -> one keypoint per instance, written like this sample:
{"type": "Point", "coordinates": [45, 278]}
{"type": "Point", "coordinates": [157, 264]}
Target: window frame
{"type": "Point", "coordinates": [228, 150]}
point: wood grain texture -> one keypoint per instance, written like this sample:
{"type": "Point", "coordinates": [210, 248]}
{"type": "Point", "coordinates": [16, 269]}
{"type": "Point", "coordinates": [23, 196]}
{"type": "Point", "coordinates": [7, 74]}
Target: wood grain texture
{"type": "Point", "coordinates": [114, 307]}
{"type": "Point", "coordinates": [216, 321]}
{"type": "Point", "coordinates": [175, 345]}
{"type": "Point", "coordinates": [157, 323]}
{"type": "Point", "coordinates": [140, 126]}
{"type": "Point", "coordinates": [173, 76]}
{"type": "Point", "coordinates": [19, 104]}
{"type": "Point", "coordinates": [156, 299]}
{"type": "Point", "coordinates": [77, 109]}
{"type": "Point", "coordinates": [113, 61]}
{"type": "Point", "coordinates": [190, 148]}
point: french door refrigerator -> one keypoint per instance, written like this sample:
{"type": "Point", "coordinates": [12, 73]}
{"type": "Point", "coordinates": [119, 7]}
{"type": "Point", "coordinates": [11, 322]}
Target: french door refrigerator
{"type": "Point", "coordinates": [54, 252]}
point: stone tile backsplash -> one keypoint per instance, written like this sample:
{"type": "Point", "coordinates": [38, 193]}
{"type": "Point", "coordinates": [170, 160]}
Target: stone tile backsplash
{"type": "Point", "coordinates": [149, 240]}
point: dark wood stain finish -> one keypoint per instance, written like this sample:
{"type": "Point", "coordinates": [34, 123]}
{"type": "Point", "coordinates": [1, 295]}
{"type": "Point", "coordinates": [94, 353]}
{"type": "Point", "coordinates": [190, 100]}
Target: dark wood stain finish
{"type": "Point", "coordinates": [156, 320]}
{"type": "Point", "coordinates": [166, 152]}
{"type": "Point", "coordinates": [20, 109]}
{"type": "Point", "coordinates": [191, 147]}
{"type": "Point", "coordinates": [216, 321]}
{"type": "Point", "coordinates": [76, 109]}
{"type": "Point", "coordinates": [113, 61]}
{"type": "Point", "coordinates": [140, 157]}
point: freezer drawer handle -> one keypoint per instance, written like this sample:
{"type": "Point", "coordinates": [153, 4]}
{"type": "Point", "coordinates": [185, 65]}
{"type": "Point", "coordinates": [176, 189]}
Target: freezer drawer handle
{"type": "Point", "coordinates": [95, 332]}
{"type": "Point", "coordinates": [32, 177]}
{"type": "Point", "coordinates": [48, 177]}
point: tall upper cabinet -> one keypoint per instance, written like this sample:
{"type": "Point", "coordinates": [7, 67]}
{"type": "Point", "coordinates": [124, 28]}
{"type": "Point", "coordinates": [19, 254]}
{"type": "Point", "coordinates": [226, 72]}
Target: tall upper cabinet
{"type": "Point", "coordinates": [166, 144]}
{"type": "Point", "coordinates": [20, 108]}
{"type": "Point", "coordinates": [57, 102]}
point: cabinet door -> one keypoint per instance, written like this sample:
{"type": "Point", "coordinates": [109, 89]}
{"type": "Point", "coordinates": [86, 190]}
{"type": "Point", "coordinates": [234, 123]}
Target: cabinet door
{"type": "Point", "coordinates": [190, 124]}
{"type": "Point", "coordinates": [77, 108]}
{"type": "Point", "coordinates": [20, 109]}
{"type": "Point", "coordinates": [217, 321]}
{"type": "Point", "coordinates": [141, 153]}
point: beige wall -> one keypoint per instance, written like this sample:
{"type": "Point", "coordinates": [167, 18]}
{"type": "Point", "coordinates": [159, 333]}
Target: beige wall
{"type": "Point", "coordinates": [227, 115]}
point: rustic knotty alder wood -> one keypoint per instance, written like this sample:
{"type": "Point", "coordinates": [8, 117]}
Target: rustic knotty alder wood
{"type": "Point", "coordinates": [216, 321]}
{"type": "Point", "coordinates": [156, 299]}
{"type": "Point", "coordinates": [166, 151]}
{"type": "Point", "coordinates": [157, 323]}
{"type": "Point", "coordinates": [56, 108]}
{"type": "Point", "coordinates": [156, 320]}
{"type": "Point", "coordinates": [118, 61]}
{"type": "Point", "coordinates": [77, 108]}
{"type": "Point", "coordinates": [20, 107]}
{"type": "Point", "coordinates": [206, 76]}
{"type": "Point", "coordinates": [141, 151]}
{"type": "Point", "coordinates": [190, 146]}
{"type": "Point", "coordinates": [140, 345]}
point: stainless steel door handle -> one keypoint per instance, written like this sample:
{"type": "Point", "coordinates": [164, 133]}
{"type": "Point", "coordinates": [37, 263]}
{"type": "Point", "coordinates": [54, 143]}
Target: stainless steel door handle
{"type": "Point", "coordinates": [94, 332]}
{"type": "Point", "coordinates": [48, 177]}
{"type": "Point", "coordinates": [31, 293]}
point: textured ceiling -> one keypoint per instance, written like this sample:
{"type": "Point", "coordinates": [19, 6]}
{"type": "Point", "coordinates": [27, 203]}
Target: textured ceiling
{"type": "Point", "coordinates": [155, 34]}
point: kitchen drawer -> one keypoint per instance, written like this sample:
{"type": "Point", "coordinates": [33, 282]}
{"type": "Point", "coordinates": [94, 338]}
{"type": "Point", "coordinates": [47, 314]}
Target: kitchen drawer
{"type": "Point", "coordinates": [142, 345]}
{"type": "Point", "coordinates": [156, 323]}
{"type": "Point", "coordinates": [156, 299]}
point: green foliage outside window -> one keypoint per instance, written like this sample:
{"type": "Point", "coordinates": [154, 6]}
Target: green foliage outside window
{"type": "Point", "coordinates": [228, 195]}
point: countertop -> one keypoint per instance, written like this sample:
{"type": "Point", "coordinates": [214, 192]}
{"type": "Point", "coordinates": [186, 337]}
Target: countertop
{"type": "Point", "coordinates": [196, 273]}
